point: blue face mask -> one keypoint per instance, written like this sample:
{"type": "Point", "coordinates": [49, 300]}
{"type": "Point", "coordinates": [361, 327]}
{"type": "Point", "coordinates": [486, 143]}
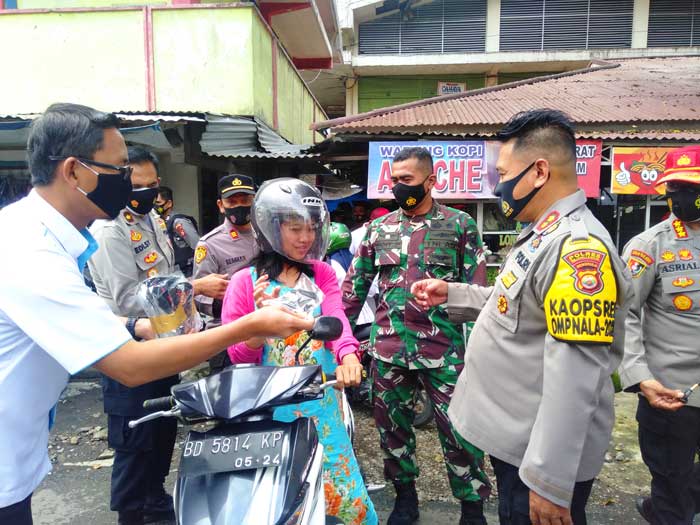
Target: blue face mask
{"type": "Point", "coordinates": [509, 205]}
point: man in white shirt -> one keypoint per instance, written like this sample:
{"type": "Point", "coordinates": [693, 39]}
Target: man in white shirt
{"type": "Point", "coordinates": [51, 324]}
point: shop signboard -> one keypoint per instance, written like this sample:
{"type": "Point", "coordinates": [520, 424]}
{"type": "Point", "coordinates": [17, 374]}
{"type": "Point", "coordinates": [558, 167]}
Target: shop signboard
{"type": "Point", "coordinates": [467, 169]}
{"type": "Point", "coordinates": [635, 170]}
{"type": "Point", "coordinates": [450, 88]}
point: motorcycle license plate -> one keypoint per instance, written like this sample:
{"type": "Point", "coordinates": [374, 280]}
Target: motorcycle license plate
{"type": "Point", "coordinates": [207, 452]}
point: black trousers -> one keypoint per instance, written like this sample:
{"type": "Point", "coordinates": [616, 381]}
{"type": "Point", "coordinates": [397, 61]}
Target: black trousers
{"type": "Point", "coordinates": [669, 442]}
{"type": "Point", "coordinates": [141, 460]}
{"type": "Point", "coordinates": [514, 496]}
{"type": "Point", "coordinates": [19, 513]}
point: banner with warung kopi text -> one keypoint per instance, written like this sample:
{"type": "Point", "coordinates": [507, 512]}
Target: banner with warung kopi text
{"type": "Point", "coordinates": [467, 169]}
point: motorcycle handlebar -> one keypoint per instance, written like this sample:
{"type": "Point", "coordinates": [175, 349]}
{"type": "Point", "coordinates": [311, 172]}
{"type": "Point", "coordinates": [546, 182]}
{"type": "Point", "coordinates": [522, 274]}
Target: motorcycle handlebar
{"type": "Point", "coordinates": [160, 403]}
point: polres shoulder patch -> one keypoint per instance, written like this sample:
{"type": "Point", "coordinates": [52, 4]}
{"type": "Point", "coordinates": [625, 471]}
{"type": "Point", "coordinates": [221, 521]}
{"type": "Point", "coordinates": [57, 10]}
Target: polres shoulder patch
{"type": "Point", "coordinates": [580, 303]}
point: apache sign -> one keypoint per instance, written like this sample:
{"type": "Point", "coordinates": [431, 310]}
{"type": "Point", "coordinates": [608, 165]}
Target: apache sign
{"type": "Point", "coordinates": [467, 169]}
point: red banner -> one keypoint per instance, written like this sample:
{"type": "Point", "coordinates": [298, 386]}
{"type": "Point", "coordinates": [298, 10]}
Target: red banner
{"type": "Point", "coordinates": [635, 170]}
{"type": "Point", "coordinates": [588, 156]}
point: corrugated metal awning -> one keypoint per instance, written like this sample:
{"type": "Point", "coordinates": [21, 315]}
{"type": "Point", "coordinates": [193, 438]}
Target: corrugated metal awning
{"type": "Point", "coordinates": [244, 137]}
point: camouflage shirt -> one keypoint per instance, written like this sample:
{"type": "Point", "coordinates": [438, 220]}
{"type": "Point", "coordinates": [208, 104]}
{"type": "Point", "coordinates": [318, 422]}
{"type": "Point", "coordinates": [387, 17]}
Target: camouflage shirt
{"type": "Point", "coordinates": [443, 244]}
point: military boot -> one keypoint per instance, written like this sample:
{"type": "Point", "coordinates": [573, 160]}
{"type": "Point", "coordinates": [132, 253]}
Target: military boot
{"type": "Point", "coordinates": [472, 513]}
{"type": "Point", "coordinates": [406, 505]}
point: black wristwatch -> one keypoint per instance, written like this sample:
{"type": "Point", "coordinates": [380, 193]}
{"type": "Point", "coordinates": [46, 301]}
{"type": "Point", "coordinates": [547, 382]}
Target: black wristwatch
{"type": "Point", "coordinates": [131, 326]}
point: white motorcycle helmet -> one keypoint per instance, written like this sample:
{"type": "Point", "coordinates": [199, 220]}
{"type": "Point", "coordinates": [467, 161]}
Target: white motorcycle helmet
{"type": "Point", "coordinates": [292, 205]}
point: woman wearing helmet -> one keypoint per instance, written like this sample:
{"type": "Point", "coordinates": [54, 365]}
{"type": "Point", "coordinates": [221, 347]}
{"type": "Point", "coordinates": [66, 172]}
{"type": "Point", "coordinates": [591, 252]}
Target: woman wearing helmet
{"type": "Point", "coordinates": [338, 255]}
{"type": "Point", "coordinates": [291, 224]}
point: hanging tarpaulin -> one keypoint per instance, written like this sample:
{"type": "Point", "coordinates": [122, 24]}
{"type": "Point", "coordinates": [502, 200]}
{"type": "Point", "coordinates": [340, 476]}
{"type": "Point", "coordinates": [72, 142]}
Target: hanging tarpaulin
{"type": "Point", "coordinates": [467, 169]}
{"type": "Point", "coordinates": [14, 134]}
{"type": "Point", "coordinates": [150, 135]}
{"type": "Point", "coordinates": [635, 170]}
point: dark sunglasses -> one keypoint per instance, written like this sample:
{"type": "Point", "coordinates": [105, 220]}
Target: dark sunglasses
{"type": "Point", "coordinates": [124, 171]}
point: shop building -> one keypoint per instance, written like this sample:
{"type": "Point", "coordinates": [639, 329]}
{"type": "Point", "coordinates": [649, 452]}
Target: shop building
{"type": "Point", "coordinates": [210, 87]}
{"type": "Point", "coordinates": [399, 51]}
{"type": "Point", "coordinates": [628, 114]}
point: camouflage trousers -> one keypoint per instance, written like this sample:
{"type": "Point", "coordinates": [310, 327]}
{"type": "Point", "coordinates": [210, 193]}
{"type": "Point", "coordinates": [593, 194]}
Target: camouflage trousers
{"type": "Point", "coordinates": [393, 390]}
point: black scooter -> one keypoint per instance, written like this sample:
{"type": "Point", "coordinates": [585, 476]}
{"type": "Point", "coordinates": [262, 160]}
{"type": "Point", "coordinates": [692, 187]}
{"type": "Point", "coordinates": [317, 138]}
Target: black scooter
{"type": "Point", "coordinates": [248, 468]}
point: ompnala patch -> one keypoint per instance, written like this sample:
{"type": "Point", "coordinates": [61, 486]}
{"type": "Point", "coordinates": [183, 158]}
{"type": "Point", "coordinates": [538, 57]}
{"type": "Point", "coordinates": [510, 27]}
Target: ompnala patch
{"type": "Point", "coordinates": [580, 304]}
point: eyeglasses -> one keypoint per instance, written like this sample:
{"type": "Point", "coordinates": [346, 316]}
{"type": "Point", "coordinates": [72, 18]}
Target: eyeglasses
{"type": "Point", "coordinates": [124, 171]}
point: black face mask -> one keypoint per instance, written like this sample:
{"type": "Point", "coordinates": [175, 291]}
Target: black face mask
{"type": "Point", "coordinates": [141, 200]}
{"type": "Point", "coordinates": [509, 205]}
{"type": "Point", "coordinates": [111, 193]}
{"type": "Point", "coordinates": [239, 215]}
{"type": "Point", "coordinates": [685, 204]}
{"type": "Point", "coordinates": [160, 210]}
{"type": "Point", "coordinates": [408, 197]}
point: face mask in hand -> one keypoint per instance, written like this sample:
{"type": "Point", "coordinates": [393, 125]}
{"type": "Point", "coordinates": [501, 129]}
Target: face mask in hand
{"type": "Point", "coordinates": [239, 215]}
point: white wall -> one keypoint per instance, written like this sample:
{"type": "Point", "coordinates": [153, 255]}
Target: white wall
{"type": "Point", "coordinates": [183, 179]}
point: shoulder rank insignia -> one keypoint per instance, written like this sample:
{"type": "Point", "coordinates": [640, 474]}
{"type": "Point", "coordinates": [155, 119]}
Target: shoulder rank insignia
{"type": "Point", "coordinates": [580, 303]}
{"type": "Point", "coordinates": [548, 221]}
{"type": "Point", "coordinates": [136, 236]}
{"type": "Point", "coordinates": [679, 229]}
{"type": "Point", "coordinates": [200, 253]}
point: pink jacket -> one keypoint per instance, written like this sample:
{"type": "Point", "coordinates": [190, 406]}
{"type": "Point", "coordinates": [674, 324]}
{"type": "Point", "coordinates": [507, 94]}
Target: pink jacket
{"type": "Point", "coordinates": [238, 302]}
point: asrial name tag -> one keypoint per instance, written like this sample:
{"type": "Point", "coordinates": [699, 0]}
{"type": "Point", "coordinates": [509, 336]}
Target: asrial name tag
{"type": "Point", "coordinates": [217, 451]}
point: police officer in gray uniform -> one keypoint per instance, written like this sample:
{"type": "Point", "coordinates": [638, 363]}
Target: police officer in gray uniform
{"type": "Point", "coordinates": [227, 248]}
{"type": "Point", "coordinates": [536, 392]}
{"type": "Point", "coordinates": [133, 247]}
{"type": "Point", "coordinates": [662, 349]}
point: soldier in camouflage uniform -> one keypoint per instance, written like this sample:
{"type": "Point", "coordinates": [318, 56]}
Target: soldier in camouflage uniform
{"type": "Point", "coordinates": [423, 239]}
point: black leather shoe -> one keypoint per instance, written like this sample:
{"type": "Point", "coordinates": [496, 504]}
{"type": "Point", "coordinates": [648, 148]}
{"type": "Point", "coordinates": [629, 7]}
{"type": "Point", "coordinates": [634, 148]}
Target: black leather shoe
{"type": "Point", "coordinates": [159, 508]}
{"type": "Point", "coordinates": [644, 507]}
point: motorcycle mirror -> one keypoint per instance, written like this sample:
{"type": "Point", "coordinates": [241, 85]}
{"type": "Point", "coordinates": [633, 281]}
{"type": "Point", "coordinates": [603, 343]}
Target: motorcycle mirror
{"type": "Point", "coordinates": [326, 328]}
